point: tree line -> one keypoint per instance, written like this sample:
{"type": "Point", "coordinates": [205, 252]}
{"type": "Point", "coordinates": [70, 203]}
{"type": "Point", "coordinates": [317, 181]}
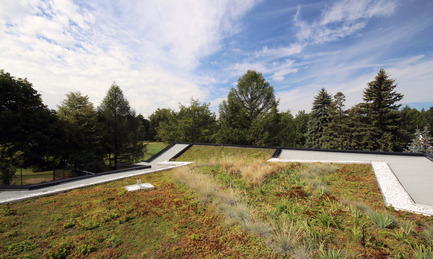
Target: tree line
{"type": "Point", "coordinates": [250, 116]}
{"type": "Point", "coordinates": [77, 135]}
{"type": "Point", "coordinates": [82, 136]}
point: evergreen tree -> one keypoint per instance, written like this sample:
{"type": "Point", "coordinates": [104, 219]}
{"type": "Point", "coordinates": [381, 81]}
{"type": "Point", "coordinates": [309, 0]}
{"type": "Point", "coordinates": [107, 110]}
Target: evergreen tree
{"type": "Point", "coordinates": [354, 126]}
{"type": "Point", "coordinates": [121, 128]}
{"type": "Point", "coordinates": [335, 134]}
{"type": "Point", "coordinates": [382, 121]}
{"type": "Point", "coordinates": [253, 98]}
{"type": "Point", "coordinates": [82, 129]}
{"type": "Point", "coordinates": [422, 143]}
{"type": "Point", "coordinates": [319, 120]}
{"type": "Point", "coordinates": [301, 127]}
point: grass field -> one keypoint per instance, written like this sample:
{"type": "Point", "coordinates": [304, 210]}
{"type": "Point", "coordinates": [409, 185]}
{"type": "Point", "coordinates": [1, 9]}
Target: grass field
{"type": "Point", "coordinates": [153, 148]}
{"type": "Point", "coordinates": [230, 203]}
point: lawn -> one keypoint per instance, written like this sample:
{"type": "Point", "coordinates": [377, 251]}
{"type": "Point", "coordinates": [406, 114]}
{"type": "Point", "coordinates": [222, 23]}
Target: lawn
{"type": "Point", "coordinates": [153, 148]}
{"type": "Point", "coordinates": [230, 203]}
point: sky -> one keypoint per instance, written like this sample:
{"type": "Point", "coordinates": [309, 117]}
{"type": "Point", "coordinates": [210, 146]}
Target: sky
{"type": "Point", "coordinates": [163, 53]}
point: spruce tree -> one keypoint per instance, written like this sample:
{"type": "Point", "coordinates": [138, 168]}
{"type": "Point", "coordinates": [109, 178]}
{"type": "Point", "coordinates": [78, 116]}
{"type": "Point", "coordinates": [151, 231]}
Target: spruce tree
{"type": "Point", "coordinates": [382, 120]}
{"type": "Point", "coordinates": [422, 143]}
{"type": "Point", "coordinates": [335, 135]}
{"type": "Point", "coordinates": [319, 119]}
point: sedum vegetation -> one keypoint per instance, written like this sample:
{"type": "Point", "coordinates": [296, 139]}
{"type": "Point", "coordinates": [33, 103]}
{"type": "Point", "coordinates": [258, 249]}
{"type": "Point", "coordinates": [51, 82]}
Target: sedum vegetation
{"type": "Point", "coordinates": [220, 207]}
{"type": "Point", "coordinates": [316, 210]}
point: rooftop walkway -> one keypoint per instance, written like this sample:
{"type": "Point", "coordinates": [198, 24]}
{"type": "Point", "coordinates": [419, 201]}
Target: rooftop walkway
{"type": "Point", "coordinates": [160, 163]}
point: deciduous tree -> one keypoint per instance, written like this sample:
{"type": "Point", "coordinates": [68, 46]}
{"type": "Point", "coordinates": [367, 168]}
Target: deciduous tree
{"type": "Point", "coordinates": [26, 124]}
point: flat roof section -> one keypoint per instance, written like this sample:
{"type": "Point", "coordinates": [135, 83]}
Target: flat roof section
{"type": "Point", "coordinates": [415, 173]}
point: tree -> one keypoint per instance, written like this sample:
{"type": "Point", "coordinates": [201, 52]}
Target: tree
{"type": "Point", "coordinates": [9, 159]}
{"type": "Point", "coordinates": [382, 121]}
{"type": "Point", "coordinates": [26, 124]}
{"type": "Point", "coordinates": [335, 134]}
{"type": "Point", "coordinates": [82, 129]}
{"type": "Point", "coordinates": [156, 119]}
{"type": "Point", "coordinates": [194, 123]}
{"type": "Point", "coordinates": [301, 127]}
{"type": "Point", "coordinates": [253, 98]}
{"type": "Point", "coordinates": [121, 128]}
{"type": "Point", "coordinates": [422, 143]}
{"type": "Point", "coordinates": [354, 128]}
{"type": "Point", "coordinates": [320, 117]}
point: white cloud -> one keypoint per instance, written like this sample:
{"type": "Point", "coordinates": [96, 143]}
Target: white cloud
{"type": "Point", "coordinates": [150, 48]}
{"type": "Point", "coordinates": [342, 19]}
{"type": "Point", "coordinates": [276, 53]}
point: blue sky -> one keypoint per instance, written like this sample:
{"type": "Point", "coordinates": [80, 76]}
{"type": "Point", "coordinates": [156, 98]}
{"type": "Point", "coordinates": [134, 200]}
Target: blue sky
{"type": "Point", "coordinates": [162, 53]}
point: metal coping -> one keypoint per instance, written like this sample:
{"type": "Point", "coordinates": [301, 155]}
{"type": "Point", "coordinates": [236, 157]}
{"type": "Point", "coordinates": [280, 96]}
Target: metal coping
{"type": "Point", "coordinates": [181, 152]}
{"type": "Point", "coordinates": [52, 183]}
{"type": "Point", "coordinates": [279, 149]}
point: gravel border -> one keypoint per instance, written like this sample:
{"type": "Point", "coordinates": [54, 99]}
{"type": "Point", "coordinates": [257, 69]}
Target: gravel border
{"type": "Point", "coordinates": [392, 191]}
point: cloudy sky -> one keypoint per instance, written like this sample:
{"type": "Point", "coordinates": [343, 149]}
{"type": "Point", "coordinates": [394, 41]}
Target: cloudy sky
{"type": "Point", "coordinates": [162, 53]}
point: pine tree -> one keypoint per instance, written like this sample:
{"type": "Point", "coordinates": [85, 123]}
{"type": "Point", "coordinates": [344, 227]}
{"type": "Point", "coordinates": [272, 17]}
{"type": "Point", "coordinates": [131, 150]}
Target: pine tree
{"type": "Point", "coordinates": [253, 98]}
{"type": "Point", "coordinates": [422, 143]}
{"type": "Point", "coordinates": [319, 119]}
{"type": "Point", "coordinates": [382, 120]}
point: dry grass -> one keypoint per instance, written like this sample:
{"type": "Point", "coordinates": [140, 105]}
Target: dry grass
{"type": "Point", "coordinates": [227, 201]}
{"type": "Point", "coordinates": [254, 171]}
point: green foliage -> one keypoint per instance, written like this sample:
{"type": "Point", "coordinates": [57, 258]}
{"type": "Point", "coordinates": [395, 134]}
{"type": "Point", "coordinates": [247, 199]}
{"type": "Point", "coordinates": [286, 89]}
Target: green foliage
{"type": "Point", "coordinates": [22, 111]}
{"type": "Point", "coordinates": [252, 99]}
{"type": "Point", "coordinates": [9, 159]}
{"type": "Point", "coordinates": [157, 118]}
{"type": "Point", "coordinates": [83, 149]}
{"type": "Point", "coordinates": [382, 123]}
{"type": "Point", "coordinates": [319, 120]}
{"type": "Point", "coordinates": [121, 128]}
{"type": "Point", "coordinates": [422, 252]}
{"type": "Point", "coordinates": [335, 134]}
{"type": "Point", "coordinates": [382, 220]}
{"type": "Point", "coordinates": [301, 126]}
{"type": "Point", "coordinates": [195, 123]}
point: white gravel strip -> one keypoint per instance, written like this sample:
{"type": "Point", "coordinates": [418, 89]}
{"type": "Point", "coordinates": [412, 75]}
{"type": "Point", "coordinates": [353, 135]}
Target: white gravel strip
{"type": "Point", "coordinates": [392, 191]}
{"type": "Point", "coordinates": [91, 181]}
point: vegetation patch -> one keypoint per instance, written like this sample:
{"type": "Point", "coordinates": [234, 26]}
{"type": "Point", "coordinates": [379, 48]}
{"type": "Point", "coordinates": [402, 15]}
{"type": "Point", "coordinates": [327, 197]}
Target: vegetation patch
{"type": "Point", "coordinates": [318, 210]}
{"type": "Point", "coordinates": [106, 221]}
{"type": "Point", "coordinates": [212, 209]}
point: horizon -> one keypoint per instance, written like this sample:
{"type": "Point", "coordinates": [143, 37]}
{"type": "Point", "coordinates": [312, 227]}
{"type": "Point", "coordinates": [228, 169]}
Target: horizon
{"type": "Point", "coordinates": [165, 53]}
